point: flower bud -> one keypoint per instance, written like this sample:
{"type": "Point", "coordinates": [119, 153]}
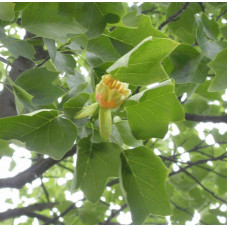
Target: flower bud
{"type": "Point", "coordinates": [110, 93]}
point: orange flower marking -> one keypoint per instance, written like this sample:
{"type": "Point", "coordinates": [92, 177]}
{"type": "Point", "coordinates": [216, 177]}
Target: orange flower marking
{"type": "Point", "coordinates": [110, 93]}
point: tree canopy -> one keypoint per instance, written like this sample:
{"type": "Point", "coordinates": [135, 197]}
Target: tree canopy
{"type": "Point", "coordinates": [113, 113]}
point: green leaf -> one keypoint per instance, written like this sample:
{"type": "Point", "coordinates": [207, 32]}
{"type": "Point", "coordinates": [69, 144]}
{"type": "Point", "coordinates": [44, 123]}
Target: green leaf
{"type": "Point", "coordinates": [210, 27]}
{"type": "Point", "coordinates": [126, 134]}
{"type": "Point", "coordinates": [43, 131]}
{"type": "Point", "coordinates": [15, 46]}
{"type": "Point", "coordinates": [224, 31]}
{"type": "Point", "coordinates": [157, 107]}
{"type": "Point", "coordinates": [112, 8]}
{"type": "Point", "coordinates": [21, 6]}
{"type": "Point", "coordinates": [65, 63]}
{"type": "Point", "coordinates": [22, 94]}
{"type": "Point", "coordinates": [196, 105]}
{"type": "Point", "coordinates": [134, 35]}
{"type": "Point", "coordinates": [75, 81]}
{"type": "Point", "coordinates": [96, 162]}
{"type": "Point", "coordinates": [203, 91]}
{"type": "Point", "coordinates": [23, 100]}
{"type": "Point", "coordinates": [74, 105]}
{"type": "Point", "coordinates": [100, 50]}
{"type": "Point", "coordinates": [189, 65]}
{"type": "Point", "coordinates": [143, 177]}
{"type": "Point", "coordinates": [38, 82]}
{"type": "Point", "coordinates": [50, 43]}
{"type": "Point", "coordinates": [5, 149]}
{"type": "Point", "coordinates": [209, 47]}
{"type": "Point", "coordinates": [7, 11]}
{"type": "Point", "coordinates": [142, 65]}
{"type": "Point", "coordinates": [91, 214]}
{"type": "Point", "coordinates": [95, 15]}
{"type": "Point", "coordinates": [54, 20]}
{"type": "Point", "coordinates": [184, 27]}
{"type": "Point", "coordinates": [219, 66]}
{"type": "Point", "coordinates": [90, 17]}
{"type": "Point", "coordinates": [87, 111]}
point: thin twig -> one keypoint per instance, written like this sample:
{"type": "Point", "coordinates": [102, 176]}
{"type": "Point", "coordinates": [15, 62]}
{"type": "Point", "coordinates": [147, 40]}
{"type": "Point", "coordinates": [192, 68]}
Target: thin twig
{"type": "Point", "coordinates": [199, 162]}
{"type": "Point", "coordinates": [202, 118]}
{"type": "Point", "coordinates": [173, 17]}
{"type": "Point", "coordinates": [205, 188]}
{"type": "Point", "coordinates": [223, 13]}
{"type": "Point", "coordinates": [149, 10]}
{"type": "Point", "coordinates": [12, 213]}
{"type": "Point", "coordinates": [136, 91]}
{"type": "Point", "coordinates": [45, 190]}
{"type": "Point", "coordinates": [65, 167]}
{"type": "Point", "coordinates": [202, 6]}
{"type": "Point", "coordinates": [186, 211]}
{"type": "Point", "coordinates": [43, 62]}
{"type": "Point", "coordinates": [113, 182]}
{"type": "Point", "coordinates": [32, 172]}
{"type": "Point", "coordinates": [114, 213]}
{"type": "Point", "coordinates": [211, 170]}
{"type": "Point", "coordinates": [55, 219]}
{"type": "Point", "coordinates": [41, 217]}
{"type": "Point", "coordinates": [5, 61]}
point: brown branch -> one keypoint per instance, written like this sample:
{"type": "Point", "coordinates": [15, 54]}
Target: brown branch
{"type": "Point", "coordinates": [186, 211]}
{"type": "Point", "coordinates": [213, 171]}
{"type": "Point", "coordinates": [55, 219]}
{"type": "Point", "coordinates": [42, 217]}
{"type": "Point", "coordinates": [202, 6]}
{"type": "Point", "coordinates": [33, 172]}
{"type": "Point", "coordinates": [114, 213]}
{"type": "Point", "coordinates": [190, 164]}
{"type": "Point", "coordinates": [5, 61]}
{"type": "Point", "coordinates": [205, 188]}
{"type": "Point", "coordinates": [113, 182]}
{"type": "Point", "coordinates": [12, 213]}
{"type": "Point", "coordinates": [43, 62]}
{"type": "Point", "coordinates": [45, 190]}
{"type": "Point", "coordinates": [173, 17]}
{"type": "Point", "coordinates": [149, 10]}
{"type": "Point", "coordinates": [202, 118]}
{"type": "Point", "coordinates": [221, 14]}
{"type": "Point", "coordinates": [65, 167]}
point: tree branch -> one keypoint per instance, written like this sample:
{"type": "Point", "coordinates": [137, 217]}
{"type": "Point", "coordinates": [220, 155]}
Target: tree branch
{"type": "Point", "coordinates": [42, 217]}
{"type": "Point", "coordinates": [5, 61]}
{"type": "Point", "coordinates": [114, 213]}
{"type": "Point", "coordinates": [201, 118]}
{"type": "Point", "coordinates": [149, 10]}
{"type": "Point", "coordinates": [173, 17]}
{"type": "Point", "coordinates": [202, 6]}
{"type": "Point", "coordinates": [187, 212]}
{"type": "Point", "coordinates": [213, 171]}
{"type": "Point", "coordinates": [12, 213]}
{"type": "Point", "coordinates": [65, 167]}
{"type": "Point", "coordinates": [45, 190]}
{"type": "Point", "coordinates": [55, 219]}
{"type": "Point", "coordinates": [205, 188]}
{"type": "Point", "coordinates": [113, 182]}
{"type": "Point", "coordinates": [221, 14]}
{"type": "Point", "coordinates": [199, 162]}
{"type": "Point", "coordinates": [33, 172]}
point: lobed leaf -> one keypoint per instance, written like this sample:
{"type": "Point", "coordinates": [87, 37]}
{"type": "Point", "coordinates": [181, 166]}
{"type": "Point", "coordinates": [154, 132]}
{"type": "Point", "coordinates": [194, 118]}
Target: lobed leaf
{"type": "Point", "coordinates": [143, 180]}
{"type": "Point", "coordinates": [43, 131]}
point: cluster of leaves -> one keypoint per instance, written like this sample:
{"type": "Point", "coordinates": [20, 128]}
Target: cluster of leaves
{"type": "Point", "coordinates": [163, 51]}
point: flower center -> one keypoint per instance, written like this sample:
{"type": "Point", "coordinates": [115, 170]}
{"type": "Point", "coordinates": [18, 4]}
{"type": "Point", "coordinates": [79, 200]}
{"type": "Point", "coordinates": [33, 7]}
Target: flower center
{"type": "Point", "coordinates": [115, 84]}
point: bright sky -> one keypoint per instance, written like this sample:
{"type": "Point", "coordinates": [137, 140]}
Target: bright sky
{"type": "Point", "coordinates": [21, 160]}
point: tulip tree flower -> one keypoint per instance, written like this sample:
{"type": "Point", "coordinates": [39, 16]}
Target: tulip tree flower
{"type": "Point", "coordinates": [110, 93]}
